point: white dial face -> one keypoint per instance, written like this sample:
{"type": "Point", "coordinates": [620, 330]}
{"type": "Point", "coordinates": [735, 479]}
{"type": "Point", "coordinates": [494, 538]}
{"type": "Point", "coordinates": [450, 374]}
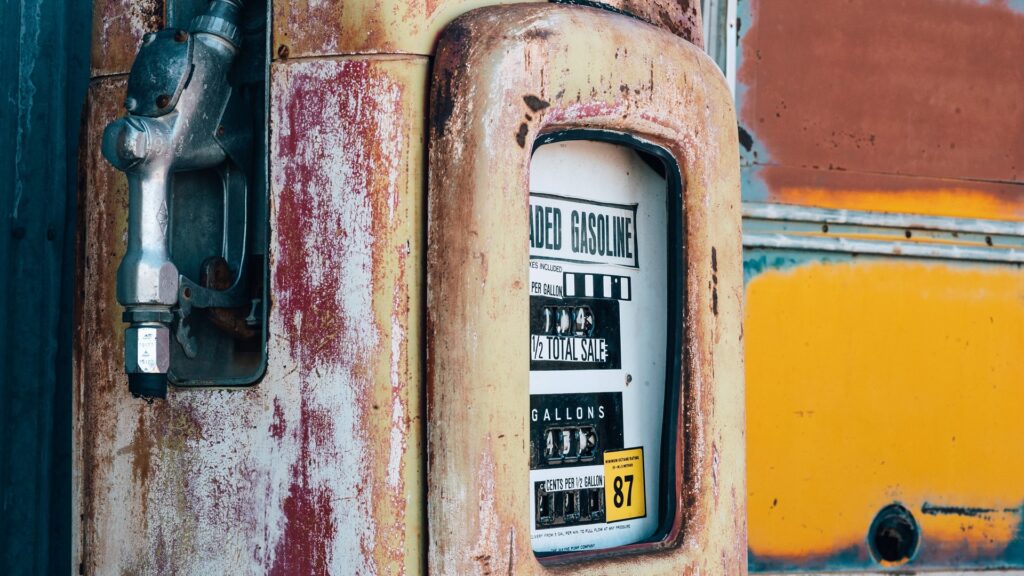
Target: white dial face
{"type": "Point", "coordinates": [598, 329]}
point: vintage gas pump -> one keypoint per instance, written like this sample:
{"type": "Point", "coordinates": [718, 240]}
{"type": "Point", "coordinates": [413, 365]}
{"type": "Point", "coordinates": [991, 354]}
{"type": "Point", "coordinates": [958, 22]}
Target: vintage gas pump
{"type": "Point", "coordinates": [584, 366]}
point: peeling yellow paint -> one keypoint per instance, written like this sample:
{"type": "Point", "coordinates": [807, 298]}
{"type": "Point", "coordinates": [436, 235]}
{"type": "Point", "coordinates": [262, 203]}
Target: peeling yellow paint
{"type": "Point", "coordinates": [875, 382]}
{"type": "Point", "coordinates": [956, 201]}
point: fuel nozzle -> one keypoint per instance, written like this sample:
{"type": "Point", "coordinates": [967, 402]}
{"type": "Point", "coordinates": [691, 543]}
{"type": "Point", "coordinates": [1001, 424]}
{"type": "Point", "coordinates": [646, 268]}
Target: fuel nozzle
{"type": "Point", "coordinates": [147, 358]}
{"type": "Point", "coordinates": [177, 92]}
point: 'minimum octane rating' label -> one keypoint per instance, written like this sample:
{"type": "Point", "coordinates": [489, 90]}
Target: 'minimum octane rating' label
{"type": "Point", "coordinates": [624, 475]}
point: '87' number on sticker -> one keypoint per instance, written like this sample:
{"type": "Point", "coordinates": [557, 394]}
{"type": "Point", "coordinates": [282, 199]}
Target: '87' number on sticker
{"type": "Point", "coordinates": [619, 498]}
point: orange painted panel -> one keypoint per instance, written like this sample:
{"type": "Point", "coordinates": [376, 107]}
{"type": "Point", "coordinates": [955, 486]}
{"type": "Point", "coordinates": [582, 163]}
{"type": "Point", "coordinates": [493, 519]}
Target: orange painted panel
{"type": "Point", "coordinates": [957, 200]}
{"type": "Point", "coordinates": [876, 382]}
{"type": "Point", "coordinates": [887, 193]}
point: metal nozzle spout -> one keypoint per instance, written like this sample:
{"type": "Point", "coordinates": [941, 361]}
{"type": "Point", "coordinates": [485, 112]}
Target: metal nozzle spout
{"type": "Point", "coordinates": [148, 386]}
{"type": "Point", "coordinates": [147, 350]}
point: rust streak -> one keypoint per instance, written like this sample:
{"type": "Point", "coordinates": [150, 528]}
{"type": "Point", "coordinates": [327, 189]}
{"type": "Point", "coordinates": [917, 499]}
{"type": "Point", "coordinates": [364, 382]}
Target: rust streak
{"type": "Point", "coordinates": [304, 548]}
{"type": "Point", "coordinates": [117, 29]}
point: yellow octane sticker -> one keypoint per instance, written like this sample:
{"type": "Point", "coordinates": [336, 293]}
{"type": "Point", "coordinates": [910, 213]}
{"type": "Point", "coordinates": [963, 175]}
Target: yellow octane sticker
{"type": "Point", "coordinates": [624, 484]}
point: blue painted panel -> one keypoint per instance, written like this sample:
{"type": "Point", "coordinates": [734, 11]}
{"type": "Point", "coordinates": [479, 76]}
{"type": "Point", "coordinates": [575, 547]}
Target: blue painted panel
{"type": "Point", "coordinates": [43, 77]}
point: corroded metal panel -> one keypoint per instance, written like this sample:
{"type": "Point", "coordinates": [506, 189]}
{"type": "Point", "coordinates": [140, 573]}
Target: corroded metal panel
{"type": "Point", "coordinates": [503, 76]}
{"type": "Point", "coordinates": [346, 282]}
{"type": "Point", "coordinates": [328, 27]}
{"type": "Point", "coordinates": [680, 17]}
{"type": "Point", "coordinates": [117, 30]}
{"type": "Point", "coordinates": [98, 339]}
{"type": "Point", "coordinates": [872, 382]}
{"type": "Point", "coordinates": [908, 88]}
{"type": "Point", "coordinates": [318, 467]}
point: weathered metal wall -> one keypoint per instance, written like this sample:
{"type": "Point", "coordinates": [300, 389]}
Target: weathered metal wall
{"type": "Point", "coordinates": [874, 376]}
{"type": "Point", "coordinates": [43, 74]}
{"type": "Point", "coordinates": [318, 468]}
{"type": "Point", "coordinates": [312, 29]}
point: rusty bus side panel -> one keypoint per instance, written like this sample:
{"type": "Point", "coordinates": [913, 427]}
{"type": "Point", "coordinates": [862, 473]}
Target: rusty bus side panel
{"type": "Point", "coordinates": [881, 381]}
{"type": "Point", "coordinates": [872, 192]}
{"type": "Point", "coordinates": [319, 466]}
{"type": "Point", "coordinates": [875, 375]}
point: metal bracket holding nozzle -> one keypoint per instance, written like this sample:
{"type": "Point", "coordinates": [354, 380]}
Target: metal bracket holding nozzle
{"type": "Point", "coordinates": [186, 117]}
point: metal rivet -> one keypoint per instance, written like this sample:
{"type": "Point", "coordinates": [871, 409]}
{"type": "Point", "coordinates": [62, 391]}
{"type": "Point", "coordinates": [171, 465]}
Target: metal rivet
{"type": "Point", "coordinates": [130, 104]}
{"type": "Point", "coordinates": [220, 130]}
{"type": "Point", "coordinates": [180, 36]}
{"type": "Point", "coordinates": [162, 101]}
{"type": "Point", "coordinates": [282, 51]}
{"type": "Point", "coordinates": [186, 292]}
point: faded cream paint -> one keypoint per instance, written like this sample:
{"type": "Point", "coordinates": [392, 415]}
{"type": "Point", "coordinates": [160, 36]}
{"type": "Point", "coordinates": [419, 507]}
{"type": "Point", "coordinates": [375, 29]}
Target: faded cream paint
{"type": "Point", "coordinates": [327, 27]}
{"type": "Point", "coordinates": [633, 78]}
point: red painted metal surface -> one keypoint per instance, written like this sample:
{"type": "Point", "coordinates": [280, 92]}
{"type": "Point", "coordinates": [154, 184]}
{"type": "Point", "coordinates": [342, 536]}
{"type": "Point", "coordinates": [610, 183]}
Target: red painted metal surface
{"type": "Point", "coordinates": [908, 88]}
